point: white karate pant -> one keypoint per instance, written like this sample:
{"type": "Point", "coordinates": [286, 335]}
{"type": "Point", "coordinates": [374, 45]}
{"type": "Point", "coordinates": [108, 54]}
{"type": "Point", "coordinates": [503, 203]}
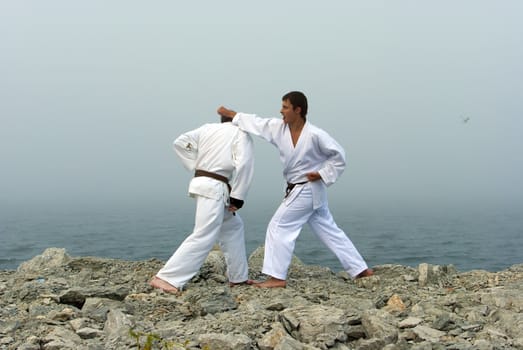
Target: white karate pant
{"type": "Point", "coordinates": [213, 222]}
{"type": "Point", "coordinates": [285, 227]}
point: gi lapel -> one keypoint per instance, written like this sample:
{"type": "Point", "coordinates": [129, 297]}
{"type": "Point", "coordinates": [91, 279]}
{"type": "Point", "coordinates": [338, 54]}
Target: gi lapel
{"type": "Point", "coordinates": [294, 154]}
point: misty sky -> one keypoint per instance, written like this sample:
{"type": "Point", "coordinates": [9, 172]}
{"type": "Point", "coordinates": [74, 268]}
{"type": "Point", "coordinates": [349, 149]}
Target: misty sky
{"type": "Point", "coordinates": [93, 93]}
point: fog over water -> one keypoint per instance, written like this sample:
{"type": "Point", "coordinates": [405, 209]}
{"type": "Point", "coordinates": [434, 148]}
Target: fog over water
{"type": "Point", "coordinates": [426, 98]}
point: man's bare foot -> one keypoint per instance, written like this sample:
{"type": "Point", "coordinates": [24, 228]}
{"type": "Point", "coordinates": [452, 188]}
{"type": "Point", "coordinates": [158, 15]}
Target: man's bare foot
{"type": "Point", "coordinates": [158, 283]}
{"type": "Point", "coordinates": [271, 283]}
{"type": "Point", "coordinates": [365, 273]}
{"type": "Point", "coordinates": [246, 282]}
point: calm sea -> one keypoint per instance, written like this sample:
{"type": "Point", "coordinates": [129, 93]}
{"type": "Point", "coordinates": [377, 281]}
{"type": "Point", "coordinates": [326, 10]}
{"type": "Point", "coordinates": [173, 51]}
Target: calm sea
{"type": "Point", "coordinates": [489, 238]}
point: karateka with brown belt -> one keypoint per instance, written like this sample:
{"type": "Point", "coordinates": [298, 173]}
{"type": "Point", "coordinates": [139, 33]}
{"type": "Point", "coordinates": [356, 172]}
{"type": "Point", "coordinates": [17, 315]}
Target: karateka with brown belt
{"type": "Point", "coordinates": [221, 156]}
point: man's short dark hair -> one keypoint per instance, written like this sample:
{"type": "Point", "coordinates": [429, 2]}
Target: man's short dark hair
{"type": "Point", "coordinates": [297, 99]}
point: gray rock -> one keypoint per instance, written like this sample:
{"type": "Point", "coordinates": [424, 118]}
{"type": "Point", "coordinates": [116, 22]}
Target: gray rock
{"type": "Point", "coordinates": [428, 333]}
{"type": "Point", "coordinates": [55, 301]}
{"type": "Point", "coordinates": [219, 341]}
{"type": "Point", "coordinates": [410, 322]}
{"type": "Point", "coordinates": [370, 344]}
{"type": "Point", "coordinates": [319, 325]}
{"type": "Point", "coordinates": [61, 338]}
{"type": "Point", "coordinates": [434, 274]}
{"type": "Point", "coordinates": [381, 325]}
{"type": "Point", "coordinates": [117, 325]}
{"type": "Point", "coordinates": [213, 266]}
{"type": "Point", "coordinates": [79, 323]}
{"type": "Point", "coordinates": [97, 308]}
{"type": "Point", "coordinates": [89, 333]}
{"type": "Point", "coordinates": [272, 338]}
{"type": "Point", "coordinates": [49, 259]}
{"type": "Point", "coordinates": [288, 343]}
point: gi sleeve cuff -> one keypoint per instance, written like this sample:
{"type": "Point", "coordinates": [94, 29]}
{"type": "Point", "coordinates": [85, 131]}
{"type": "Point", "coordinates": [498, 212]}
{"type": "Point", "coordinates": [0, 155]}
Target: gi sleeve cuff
{"type": "Point", "coordinates": [238, 203]}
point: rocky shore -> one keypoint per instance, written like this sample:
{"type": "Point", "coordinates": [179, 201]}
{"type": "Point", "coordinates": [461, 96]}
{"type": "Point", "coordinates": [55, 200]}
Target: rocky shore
{"type": "Point", "coordinates": [55, 301]}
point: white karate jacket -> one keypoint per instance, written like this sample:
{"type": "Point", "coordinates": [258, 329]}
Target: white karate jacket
{"type": "Point", "coordinates": [221, 148]}
{"type": "Point", "coordinates": [316, 150]}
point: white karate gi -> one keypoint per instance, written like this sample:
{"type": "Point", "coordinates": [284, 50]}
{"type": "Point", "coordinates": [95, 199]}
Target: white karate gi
{"type": "Point", "coordinates": [225, 150]}
{"type": "Point", "coordinates": [315, 151]}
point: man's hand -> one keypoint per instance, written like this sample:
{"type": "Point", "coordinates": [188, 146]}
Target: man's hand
{"type": "Point", "coordinates": [224, 112]}
{"type": "Point", "coordinates": [314, 176]}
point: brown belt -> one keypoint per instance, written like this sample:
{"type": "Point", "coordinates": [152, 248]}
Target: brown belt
{"type": "Point", "coordinates": [215, 176]}
{"type": "Point", "coordinates": [291, 186]}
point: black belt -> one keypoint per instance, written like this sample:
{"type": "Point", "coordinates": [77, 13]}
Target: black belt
{"type": "Point", "coordinates": [291, 186]}
{"type": "Point", "coordinates": [215, 176]}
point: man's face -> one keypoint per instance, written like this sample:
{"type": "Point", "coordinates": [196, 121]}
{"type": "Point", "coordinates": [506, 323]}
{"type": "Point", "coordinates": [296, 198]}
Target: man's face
{"type": "Point", "coordinates": [289, 113]}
